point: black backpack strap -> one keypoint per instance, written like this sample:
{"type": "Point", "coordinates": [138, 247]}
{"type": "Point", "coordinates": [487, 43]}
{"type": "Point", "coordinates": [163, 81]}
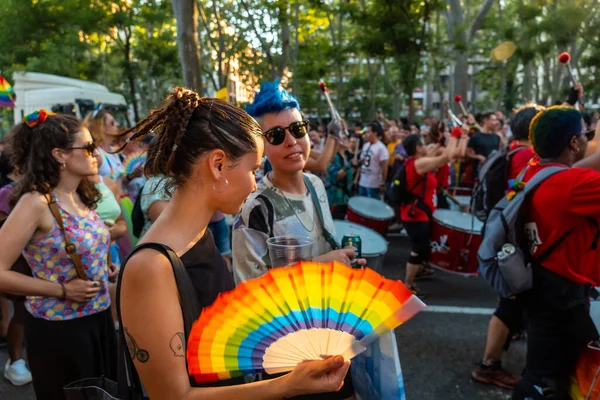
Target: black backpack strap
{"type": "Point", "coordinates": [313, 194]}
{"type": "Point", "coordinates": [129, 385]}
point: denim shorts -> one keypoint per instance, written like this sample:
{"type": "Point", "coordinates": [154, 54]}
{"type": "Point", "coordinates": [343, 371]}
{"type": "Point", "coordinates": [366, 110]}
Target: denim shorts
{"type": "Point", "coordinates": [220, 231]}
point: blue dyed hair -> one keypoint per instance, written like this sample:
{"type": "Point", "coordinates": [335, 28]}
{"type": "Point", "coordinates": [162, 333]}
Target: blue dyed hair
{"type": "Point", "coordinates": [271, 99]}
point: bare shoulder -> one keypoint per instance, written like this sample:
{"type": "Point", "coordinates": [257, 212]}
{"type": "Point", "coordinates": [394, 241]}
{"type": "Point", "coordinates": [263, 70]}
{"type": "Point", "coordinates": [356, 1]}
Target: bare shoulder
{"type": "Point", "coordinates": [34, 202]}
{"type": "Point", "coordinates": [146, 269]}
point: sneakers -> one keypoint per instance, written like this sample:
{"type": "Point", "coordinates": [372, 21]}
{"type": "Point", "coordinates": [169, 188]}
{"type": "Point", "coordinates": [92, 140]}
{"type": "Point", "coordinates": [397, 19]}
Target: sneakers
{"type": "Point", "coordinates": [17, 373]}
{"type": "Point", "coordinates": [395, 226]}
{"type": "Point", "coordinates": [414, 290]}
{"type": "Point", "coordinates": [495, 375]}
{"type": "Point", "coordinates": [425, 272]}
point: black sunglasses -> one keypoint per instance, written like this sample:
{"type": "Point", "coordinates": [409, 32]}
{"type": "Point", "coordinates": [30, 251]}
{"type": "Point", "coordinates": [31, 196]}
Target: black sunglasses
{"type": "Point", "coordinates": [590, 134]}
{"type": "Point", "coordinates": [276, 135]}
{"type": "Point", "coordinates": [90, 148]}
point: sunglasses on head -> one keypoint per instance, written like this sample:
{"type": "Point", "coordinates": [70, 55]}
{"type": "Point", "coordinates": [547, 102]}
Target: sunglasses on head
{"type": "Point", "coordinates": [276, 135]}
{"type": "Point", "coordinates": [90, 148]}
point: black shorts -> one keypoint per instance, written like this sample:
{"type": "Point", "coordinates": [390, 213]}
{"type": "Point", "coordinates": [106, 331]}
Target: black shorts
{"type": "Point", "coordinates": [419, 235]}
{"type": "Point", "coordinates": [510, 312]}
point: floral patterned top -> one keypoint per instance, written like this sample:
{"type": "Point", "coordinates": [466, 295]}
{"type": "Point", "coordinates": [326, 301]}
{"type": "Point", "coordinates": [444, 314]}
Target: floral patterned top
{"type": "Point", "coordinates": [49, 260]}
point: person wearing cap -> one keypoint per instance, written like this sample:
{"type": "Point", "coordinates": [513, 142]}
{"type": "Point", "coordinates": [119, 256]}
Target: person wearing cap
{"type": "Point", "coordinates": [562, 213]}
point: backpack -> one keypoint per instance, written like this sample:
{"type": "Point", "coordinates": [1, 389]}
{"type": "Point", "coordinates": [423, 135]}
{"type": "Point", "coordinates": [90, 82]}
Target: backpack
{"type": "Point", "coordinates": [504, 259]}
{"type": "Point", "coordinates": [492, 178]}
{"type": "Point", "coordinates": [398, 193]}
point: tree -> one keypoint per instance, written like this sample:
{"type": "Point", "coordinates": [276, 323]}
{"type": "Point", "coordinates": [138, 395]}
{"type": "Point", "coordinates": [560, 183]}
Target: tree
{"type": "Point", "coordinates": [463, 38]}
{"type": "Point", "coordinates": [186, 14]}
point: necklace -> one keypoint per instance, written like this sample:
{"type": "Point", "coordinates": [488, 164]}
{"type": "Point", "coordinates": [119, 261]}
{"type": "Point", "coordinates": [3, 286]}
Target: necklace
{"type": "Point", "coordinates": [291, 206]}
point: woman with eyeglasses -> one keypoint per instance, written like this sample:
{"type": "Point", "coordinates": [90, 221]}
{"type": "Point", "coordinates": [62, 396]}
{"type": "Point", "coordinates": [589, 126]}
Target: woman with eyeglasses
{"type": "Point", "coordinates": [68, 327]}
{"type": "Point", "coordinates": [284, 202]}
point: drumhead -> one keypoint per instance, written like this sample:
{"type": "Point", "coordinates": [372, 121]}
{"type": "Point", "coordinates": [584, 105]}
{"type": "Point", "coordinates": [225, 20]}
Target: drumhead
{"type": "Point", "coordinates": [373, 244]}
{"type": "Point", "coordinates": [463, 200]}
{"type": "Point", "coordinates": [371, 208]}
{"type": "Point", "coordinates": [459, 220]}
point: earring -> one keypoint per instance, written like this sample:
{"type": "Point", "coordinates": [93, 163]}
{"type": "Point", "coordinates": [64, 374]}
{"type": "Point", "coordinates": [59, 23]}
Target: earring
{"type": "Point", "coordinates": [220, 190]}
{"type": "Point", "coordinates": [63, 166]}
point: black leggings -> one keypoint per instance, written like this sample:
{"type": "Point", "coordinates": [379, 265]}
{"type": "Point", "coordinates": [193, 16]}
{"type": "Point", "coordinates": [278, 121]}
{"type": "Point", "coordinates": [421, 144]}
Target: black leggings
{"type": "Point", "coordinates": [61, 352]}
{"type": "Point", "coordinates": [419, 236]}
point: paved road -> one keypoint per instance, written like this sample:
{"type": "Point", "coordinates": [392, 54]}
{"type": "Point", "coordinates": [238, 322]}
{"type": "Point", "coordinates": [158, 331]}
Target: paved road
{"type": "Point", "coordinates": [438, 348]}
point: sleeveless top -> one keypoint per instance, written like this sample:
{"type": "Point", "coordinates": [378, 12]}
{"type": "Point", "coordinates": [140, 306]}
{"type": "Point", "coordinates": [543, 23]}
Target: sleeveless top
{"type": "Point", "coordinates": [49, 261]}
{"type": "Point", "coordinates": [207, 270]}
{"type": "Point", "coordinates": [108, 207]}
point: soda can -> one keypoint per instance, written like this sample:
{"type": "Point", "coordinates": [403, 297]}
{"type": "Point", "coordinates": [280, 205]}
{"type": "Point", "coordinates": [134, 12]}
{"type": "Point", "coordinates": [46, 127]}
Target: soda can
{"type": "Point", "coordinates": [353, 240]}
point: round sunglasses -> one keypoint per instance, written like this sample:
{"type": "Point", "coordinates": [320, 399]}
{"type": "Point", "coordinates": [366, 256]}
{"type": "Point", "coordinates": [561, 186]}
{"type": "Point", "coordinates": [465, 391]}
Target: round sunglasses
{"type": "Point", "coordinates": [90, 148]}
{"type": "Point", "coordinates": [276, 135]}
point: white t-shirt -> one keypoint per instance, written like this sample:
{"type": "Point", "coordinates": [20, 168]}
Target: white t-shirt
{"type": "Point", "coordinates": [370, 171]}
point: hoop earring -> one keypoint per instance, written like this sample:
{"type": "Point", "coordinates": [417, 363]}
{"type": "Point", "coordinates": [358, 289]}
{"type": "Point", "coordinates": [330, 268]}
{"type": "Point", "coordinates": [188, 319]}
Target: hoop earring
{"type": "Point", "coordinates": [215, 185]}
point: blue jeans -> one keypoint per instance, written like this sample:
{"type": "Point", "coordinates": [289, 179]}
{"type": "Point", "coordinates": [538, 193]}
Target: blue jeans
{"type": "Point", "coordinates": [373, 193]}
{"type": "Point", "coordinates": [220, 231]}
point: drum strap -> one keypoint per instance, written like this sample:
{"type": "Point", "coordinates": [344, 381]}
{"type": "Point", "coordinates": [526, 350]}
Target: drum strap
{"type": "Point", "coordinates": [313, 194]}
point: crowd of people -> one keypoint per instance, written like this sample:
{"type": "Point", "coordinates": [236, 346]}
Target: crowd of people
{"type": "Point", "coordinates": [67, 245]}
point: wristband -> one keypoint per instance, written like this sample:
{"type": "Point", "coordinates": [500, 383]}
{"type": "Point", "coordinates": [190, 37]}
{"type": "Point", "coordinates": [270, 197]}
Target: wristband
{"type": "Point", "coordinates": [64, 291]}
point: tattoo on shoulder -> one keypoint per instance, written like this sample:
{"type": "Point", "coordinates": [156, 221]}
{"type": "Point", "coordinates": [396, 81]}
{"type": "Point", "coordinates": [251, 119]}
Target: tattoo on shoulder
{"type": "Point", "coordinates": [178, 344]}
{"type": "Point", "coordinates": [137, 353]}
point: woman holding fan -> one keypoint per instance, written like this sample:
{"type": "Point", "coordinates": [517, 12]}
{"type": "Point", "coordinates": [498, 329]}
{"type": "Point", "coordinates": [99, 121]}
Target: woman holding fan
{"type": "Point", "coordinates": [211, 151]}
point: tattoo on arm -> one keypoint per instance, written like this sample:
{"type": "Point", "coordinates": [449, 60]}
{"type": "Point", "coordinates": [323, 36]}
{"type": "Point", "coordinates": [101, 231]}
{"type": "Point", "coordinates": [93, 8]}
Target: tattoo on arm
{"type": "Point", "coordinates": [136, 353]}
{"type": "Point", "coordinates": [178, 344]}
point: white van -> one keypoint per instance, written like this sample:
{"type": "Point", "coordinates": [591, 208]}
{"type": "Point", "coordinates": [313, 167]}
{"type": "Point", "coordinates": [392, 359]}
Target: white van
{"type": "Point", "coordinates": [65, 95]}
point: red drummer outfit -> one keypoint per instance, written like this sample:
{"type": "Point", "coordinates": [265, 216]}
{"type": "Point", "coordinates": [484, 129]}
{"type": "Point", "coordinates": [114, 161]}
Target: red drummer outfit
{"type": "Point", "coordinates": [559, 326]}
{"type": "Point", "coordinates": [417, 215]}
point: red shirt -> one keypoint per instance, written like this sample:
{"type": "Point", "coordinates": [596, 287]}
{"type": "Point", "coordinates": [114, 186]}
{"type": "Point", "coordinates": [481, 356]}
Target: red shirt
{"type": "Point", "coordinates": [566, 201]}
{"type": "Point", "coordinates": [442, 176]}
{"type": "Point", "coordinates": [412, 179]}
{"type": "Point", "coordinates": [519, 160]}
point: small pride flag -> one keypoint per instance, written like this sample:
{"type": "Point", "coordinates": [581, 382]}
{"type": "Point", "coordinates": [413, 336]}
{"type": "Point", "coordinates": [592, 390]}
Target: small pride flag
{"type": "Point", "coordinates": [7, 94]}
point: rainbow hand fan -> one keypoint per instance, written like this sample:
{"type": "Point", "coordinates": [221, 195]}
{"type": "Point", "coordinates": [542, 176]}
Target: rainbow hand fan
{"type": "Point", "coordinates": [133, 161]}
{"type": "Point", "coordinates": [308, 311]}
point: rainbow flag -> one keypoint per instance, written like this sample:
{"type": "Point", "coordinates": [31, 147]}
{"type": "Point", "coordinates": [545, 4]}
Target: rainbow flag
{"type": "Point", "coordinates": [7, 94]}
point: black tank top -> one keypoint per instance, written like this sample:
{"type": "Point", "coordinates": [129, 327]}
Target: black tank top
{"type": "Point", "coordinates": [207, 269]}
{"type": "Point", "coordinates": [209, 275]}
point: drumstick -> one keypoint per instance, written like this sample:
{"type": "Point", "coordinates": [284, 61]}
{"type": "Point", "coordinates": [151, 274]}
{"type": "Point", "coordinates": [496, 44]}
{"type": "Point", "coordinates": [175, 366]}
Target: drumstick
{"type": "Point", "coordinates": [334, 114]}
{"type": "Point", "coordinates": [458, 99]}
{"type": "Point", "coordinates": [455, 118]}
{"type": "Point", "coordinates": [445, 192]}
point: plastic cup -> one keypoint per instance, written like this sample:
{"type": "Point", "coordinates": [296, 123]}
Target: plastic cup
{"type": "Point", "coordinates": [287, 250]}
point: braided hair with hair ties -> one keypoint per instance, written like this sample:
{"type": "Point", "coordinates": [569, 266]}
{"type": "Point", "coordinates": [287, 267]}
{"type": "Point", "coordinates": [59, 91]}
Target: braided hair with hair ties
{"type": "Point", "coordinates": [188, 126]}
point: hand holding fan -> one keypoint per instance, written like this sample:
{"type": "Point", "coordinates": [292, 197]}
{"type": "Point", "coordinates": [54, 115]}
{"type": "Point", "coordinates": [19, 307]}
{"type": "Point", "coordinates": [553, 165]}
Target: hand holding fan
{"type": "Point", "coordinates": [134, 161]}
{"type": "Point", "coordinates": [308, 311]}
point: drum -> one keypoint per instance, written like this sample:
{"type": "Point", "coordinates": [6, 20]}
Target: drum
{"type": "Point", "coordinates": [455, 239]}
{"type": "Point", "coordinates": [465, 203]}
{"type": "Point", "coordinates": [374, 246]}
{"type": "Point", "coordinates": [460, 191]}
{"type": "Point", "coordinates": [372, 213]}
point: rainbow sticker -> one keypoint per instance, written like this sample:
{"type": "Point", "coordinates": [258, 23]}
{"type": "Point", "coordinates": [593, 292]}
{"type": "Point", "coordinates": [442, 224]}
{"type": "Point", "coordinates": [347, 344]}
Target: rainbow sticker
{"type": "Point", "coordinates": [308, 311]}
